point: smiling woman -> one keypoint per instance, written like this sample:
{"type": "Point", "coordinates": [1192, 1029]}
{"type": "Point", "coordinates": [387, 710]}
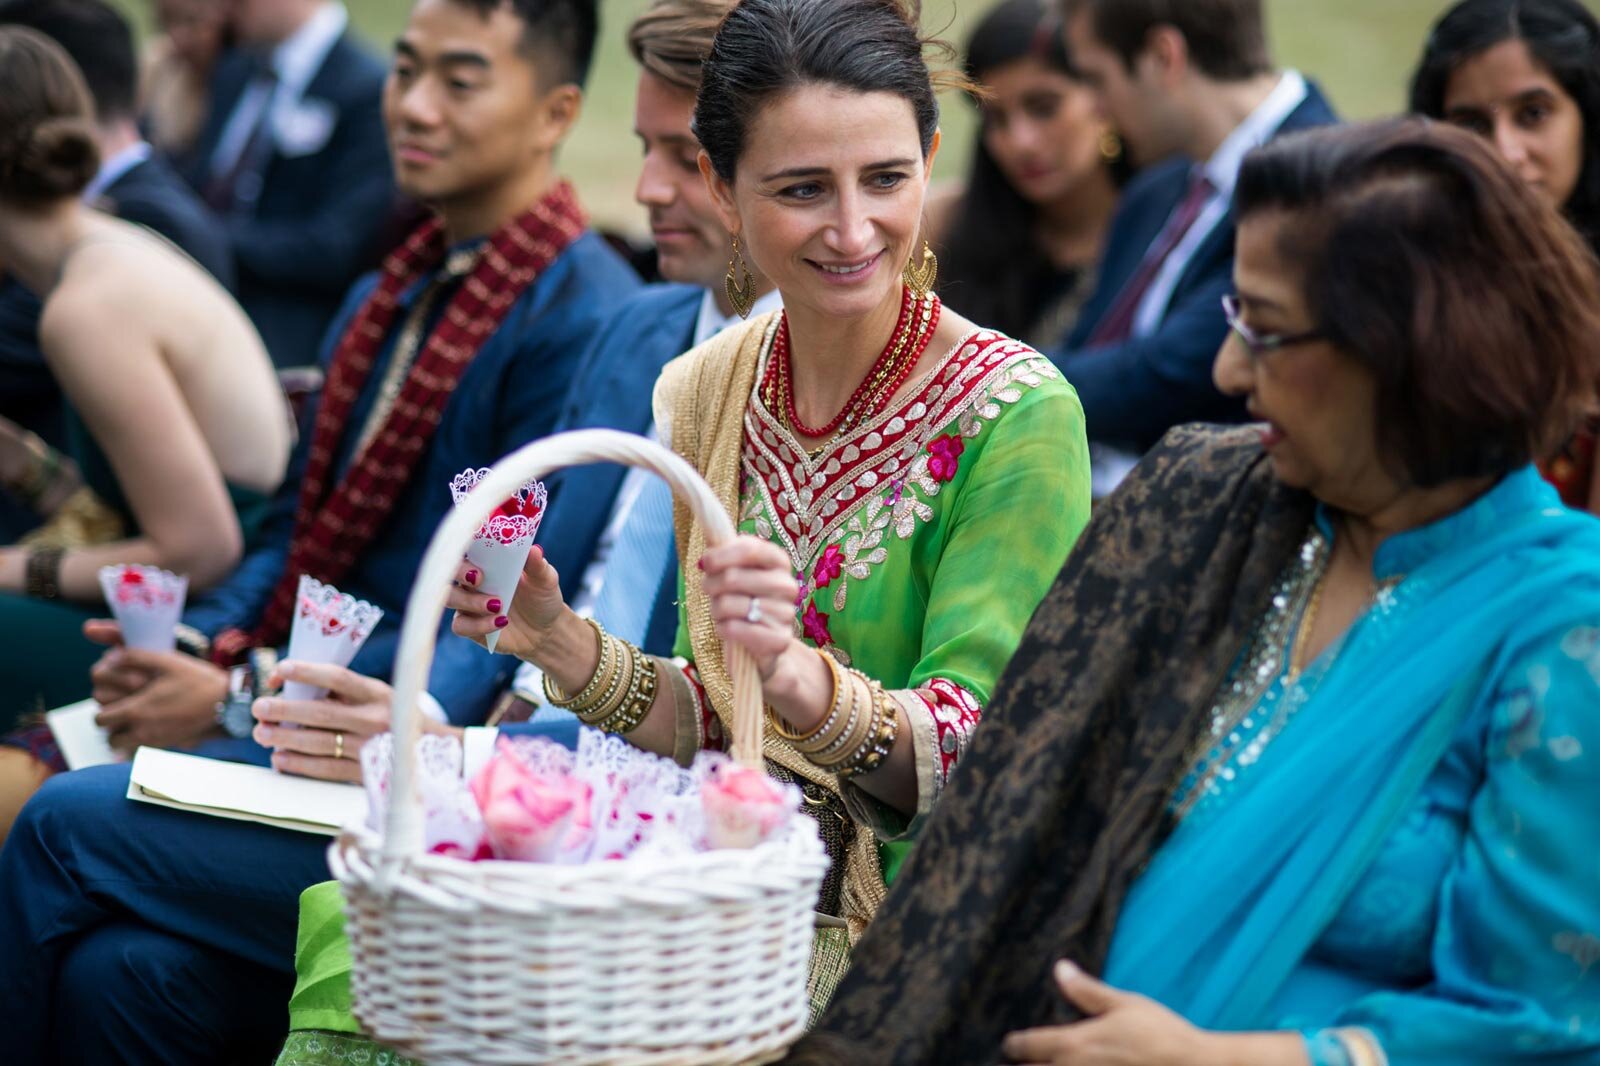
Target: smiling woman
{"type": "Point", "coordinates": [906, 481]}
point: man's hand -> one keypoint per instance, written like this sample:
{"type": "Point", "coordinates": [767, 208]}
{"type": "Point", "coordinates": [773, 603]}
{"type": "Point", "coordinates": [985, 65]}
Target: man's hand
{"type": "Point", "coordinates": [163, 699]}
{"type": "Point", "coordinates": [332, 730]}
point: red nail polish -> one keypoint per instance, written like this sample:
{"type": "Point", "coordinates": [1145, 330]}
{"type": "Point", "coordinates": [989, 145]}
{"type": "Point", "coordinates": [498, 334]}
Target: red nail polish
{"type": "Point", "coordinates": [502, 622]}
{"type": "Point", "coordinates": [472, 577]}
{"type": "Point", "coordinates": [700, 564]}
{"type": "Point", "coordinates": [493, 606]}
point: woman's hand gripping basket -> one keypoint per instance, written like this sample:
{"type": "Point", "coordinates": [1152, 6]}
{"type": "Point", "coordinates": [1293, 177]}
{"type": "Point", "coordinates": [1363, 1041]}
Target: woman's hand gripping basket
{"type": "Point", "coordinates": [655, 959]}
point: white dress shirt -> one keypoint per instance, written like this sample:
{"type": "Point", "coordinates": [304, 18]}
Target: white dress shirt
{"type": "Point", "coordinates": [296, 128]}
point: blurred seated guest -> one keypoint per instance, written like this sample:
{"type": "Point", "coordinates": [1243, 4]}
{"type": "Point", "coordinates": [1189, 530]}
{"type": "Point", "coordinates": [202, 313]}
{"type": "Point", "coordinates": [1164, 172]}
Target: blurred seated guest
{"type": "Point", "coordinates": [177, 66]}
{"type": "Point", "coordinates": [1300, 751]}
{"type": "Point", "coordinates": [1195, 81]}
{"type": "Point", "coordinates": [1525, 74]}
{"type": "Point", "coordinates": [131, 183]}
{"type": "Point", "coordinates": [1017, 246]}
{"type": "Point", "coordinates": [292, 159]}
{"type": "Point", "coordinates": [177, 418]}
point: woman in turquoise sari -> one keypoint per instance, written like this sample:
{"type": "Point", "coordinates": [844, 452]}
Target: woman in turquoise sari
{"type": "Point", "coordinates": [1299, 756]}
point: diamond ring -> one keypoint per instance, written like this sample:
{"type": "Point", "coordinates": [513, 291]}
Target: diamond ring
{"type": "Point", "coordinates": [753, 613]}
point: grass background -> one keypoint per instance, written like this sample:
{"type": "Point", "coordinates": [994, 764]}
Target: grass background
{"type": "Point", "coordinates": [1360, 51]}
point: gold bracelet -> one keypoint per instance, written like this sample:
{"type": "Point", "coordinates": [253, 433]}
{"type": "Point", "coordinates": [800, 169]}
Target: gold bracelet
{"type": "Point", "coordinates": [641, 694]}
{"type": "Point", "coordinates": [554, 694]}
{"type": "Point", "coordinates": [841, 719]}
{"type": "Point", "coordinates": [618, 678]}
{"type": "Point", "coordinates": [783, 729]}
{"type": "Point", "coordinates": [860, 726]}
{"type": "Point", "coordinates": [873, 753]}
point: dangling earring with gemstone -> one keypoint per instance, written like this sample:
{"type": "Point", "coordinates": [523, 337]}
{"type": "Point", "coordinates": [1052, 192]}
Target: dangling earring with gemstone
{"type": "Point", "coordinates": [739, 284]}
{"type": "Point", "coordinates": [921, 277]}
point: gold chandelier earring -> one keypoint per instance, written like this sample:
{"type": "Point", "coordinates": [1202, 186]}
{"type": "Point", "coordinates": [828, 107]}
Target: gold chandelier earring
{"type": "Point", "coordinates": [921, 277]}
{"type": "Point", "coordinates": [740, 284]}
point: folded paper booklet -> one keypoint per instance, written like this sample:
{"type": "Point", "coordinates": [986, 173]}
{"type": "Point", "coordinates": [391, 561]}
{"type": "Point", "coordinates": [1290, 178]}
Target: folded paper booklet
{"type": "Point", "coordinates": [82, 742]}
{"type": "Point", "coordinates": [244, 793]}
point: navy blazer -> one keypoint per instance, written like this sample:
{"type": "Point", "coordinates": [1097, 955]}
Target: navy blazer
{"type": "Point", "coordinates": [149, 194]}
{"type": "Point", "coordinates": [314, 226]}
{"type": "Point", "coordinates": [1133, 392]}
{"type": "Point", "coordinates": [512, 392]}
{"type": "Point", "coordinates": [613, 390]}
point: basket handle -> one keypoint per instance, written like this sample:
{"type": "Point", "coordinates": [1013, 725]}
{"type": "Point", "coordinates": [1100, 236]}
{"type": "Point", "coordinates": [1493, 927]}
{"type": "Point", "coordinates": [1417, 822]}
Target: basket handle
{"type": "Point", "coordinates": [425, 607]}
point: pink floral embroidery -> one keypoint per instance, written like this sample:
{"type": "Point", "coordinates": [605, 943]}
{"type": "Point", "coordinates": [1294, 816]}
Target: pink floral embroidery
{"type": "Point", "coordinates": [945, 455]}
{"type": "Point", "coordinates": [955, 714]}
{"type": "Point", "coordinates": [815, 623]}
{"type": "Point", "coordinates": [828, 566]}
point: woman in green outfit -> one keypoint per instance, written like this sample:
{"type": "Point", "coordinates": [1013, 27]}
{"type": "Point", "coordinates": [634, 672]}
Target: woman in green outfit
{"type": "Point", "coordinates": [178, 423]}
{"type": "Point", "coordinates": [906, 482]}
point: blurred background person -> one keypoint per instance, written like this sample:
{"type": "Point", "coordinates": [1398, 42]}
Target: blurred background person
{"type": "Point", "coordinates": [1525, 74]}
{"type": "Point", "coordinates": [176, 77]}
{"type": "Point", "coordinates": [1019, 243]}
{"type": "Point", "coordinates": [174, 414]}
{"type": "Point", "coordinates": [1191, 88]}
{"type": "Point", "coordinates": [133, 183]}
{"type": "Point", "coordinates": [292, 159]}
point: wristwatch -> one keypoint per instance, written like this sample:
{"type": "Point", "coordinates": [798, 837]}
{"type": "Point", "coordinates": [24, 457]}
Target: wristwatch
{"type": "Point", "coordinates": [233, 713]}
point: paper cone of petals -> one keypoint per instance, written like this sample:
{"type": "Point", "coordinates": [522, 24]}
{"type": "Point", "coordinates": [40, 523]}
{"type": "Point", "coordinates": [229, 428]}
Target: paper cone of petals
{"type": "Point", "coordinates": [501, 546]}
{"type": "Point", "coordinates": [147, 603]}
{"type": "Point", "coordinates": [328, 627]}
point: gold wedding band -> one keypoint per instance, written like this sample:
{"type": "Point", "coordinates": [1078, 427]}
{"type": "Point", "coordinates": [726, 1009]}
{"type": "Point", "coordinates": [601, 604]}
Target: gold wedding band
{"type": "Point", "coordinates": [338, 745]}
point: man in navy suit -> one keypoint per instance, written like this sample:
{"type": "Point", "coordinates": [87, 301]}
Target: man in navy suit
{"type": "Point", "coordinates": [132, 184]}
{"type": "Point", "coordinates": [292, 159]}
{"type": "Point", "coordinates": [1191, 88]}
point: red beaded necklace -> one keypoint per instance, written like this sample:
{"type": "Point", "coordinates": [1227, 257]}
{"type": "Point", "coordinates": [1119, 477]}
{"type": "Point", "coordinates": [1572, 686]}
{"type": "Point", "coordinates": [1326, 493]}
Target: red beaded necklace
{"type": "Point", "coordinates": [913, 332]}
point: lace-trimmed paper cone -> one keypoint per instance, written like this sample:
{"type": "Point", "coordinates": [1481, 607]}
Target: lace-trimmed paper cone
{"type": "Point", "coordinates": [501, 546]}
{"type": "Point", "coordinates": [147, 602]}
{"type": "Point", "coordinates": [329, 627]}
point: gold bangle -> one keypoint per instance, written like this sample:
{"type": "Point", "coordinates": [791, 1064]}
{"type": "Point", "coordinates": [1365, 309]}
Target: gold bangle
{"type": "Point", "coordinates": [618, 675]}
{"type": "Point", "coordinates": [872, 754]}
{"type": "Point", "coordinates": [641, 695]}
{"type": "Point", "coordinates": [855, 731]}
{"type": "Point", "coordinates": [783, 728]}
{"type": "Point", "coordinates": [559, 699]}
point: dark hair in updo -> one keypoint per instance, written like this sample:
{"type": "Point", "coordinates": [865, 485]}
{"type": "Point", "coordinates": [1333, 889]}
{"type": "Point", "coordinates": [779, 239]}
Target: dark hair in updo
{"type": "Point", "coordinates": [47, 146]}
{"type": "Point", "coordinates": [765, 47]}
{"type": "Point", "coordinates": [1460, 289]}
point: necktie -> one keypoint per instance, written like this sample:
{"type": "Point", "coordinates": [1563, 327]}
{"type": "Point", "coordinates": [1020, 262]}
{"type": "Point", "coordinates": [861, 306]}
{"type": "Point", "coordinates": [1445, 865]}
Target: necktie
{"type": "Point", "coordinates": [1117, 325]}
{"type": "Point", "coordinates": [236, 168]}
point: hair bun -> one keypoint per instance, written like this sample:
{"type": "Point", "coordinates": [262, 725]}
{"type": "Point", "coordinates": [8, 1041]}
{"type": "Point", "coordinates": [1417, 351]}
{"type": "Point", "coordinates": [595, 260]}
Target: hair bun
{"type": "Point", "coordinates": [58, 158]}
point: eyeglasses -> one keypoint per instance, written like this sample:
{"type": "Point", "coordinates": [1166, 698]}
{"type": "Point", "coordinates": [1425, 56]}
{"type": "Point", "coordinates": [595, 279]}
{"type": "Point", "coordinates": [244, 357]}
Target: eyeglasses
{"type": "Point", "coordinates": [1260, 344]}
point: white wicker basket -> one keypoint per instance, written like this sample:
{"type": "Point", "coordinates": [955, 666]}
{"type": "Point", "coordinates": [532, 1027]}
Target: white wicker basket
{"type": "Point", "coordinates": [691, 960]}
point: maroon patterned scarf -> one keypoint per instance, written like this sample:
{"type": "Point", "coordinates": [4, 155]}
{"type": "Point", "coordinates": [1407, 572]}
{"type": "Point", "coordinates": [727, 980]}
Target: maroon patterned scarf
{"type": "Point", "coordinates": [332, 528]}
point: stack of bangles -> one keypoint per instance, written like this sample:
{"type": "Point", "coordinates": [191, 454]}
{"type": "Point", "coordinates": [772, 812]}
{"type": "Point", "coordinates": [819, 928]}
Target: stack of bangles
{"type": "Point", "coordinates": [620, 694]}
{"type": "Point", "coordinates": [856, 734]}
